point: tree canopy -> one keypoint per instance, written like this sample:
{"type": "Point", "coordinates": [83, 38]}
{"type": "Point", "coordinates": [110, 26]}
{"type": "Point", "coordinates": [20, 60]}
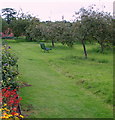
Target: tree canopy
{"type": "Point", "coordinates": [89, 25]}
{"type": "Point", "coordinates": [8, 14]}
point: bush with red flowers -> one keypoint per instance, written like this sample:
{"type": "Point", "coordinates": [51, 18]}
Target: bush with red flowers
{"type": "Point", "coordinates": [9, 98]}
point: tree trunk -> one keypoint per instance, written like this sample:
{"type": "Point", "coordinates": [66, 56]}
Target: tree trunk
{"type": "Point", "coordinates": [53, 43]}
{"type": "Point", "coordinates": [102, 48]}
{"type": "Point", "coordinates": [85, 52]}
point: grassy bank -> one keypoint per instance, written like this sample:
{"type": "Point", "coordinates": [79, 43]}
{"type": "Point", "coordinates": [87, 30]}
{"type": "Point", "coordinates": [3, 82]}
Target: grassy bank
{"type": "Point", "coordinates": [62, 84]}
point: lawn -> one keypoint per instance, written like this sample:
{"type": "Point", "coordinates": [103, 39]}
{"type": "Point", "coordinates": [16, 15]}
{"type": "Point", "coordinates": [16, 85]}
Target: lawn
{"type": "Point", "coordinates": [62, 84]}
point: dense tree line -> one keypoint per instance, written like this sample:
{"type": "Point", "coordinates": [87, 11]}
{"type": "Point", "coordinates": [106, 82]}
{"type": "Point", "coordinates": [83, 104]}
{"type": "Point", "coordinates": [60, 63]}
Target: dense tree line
{"type": "Point", "coordinates": [89, 25]}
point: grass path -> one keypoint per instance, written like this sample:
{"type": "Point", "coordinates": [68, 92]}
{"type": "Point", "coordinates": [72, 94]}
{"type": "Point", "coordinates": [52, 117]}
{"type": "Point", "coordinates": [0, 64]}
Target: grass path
{"type": "Point", "coordinates": [52, 94]}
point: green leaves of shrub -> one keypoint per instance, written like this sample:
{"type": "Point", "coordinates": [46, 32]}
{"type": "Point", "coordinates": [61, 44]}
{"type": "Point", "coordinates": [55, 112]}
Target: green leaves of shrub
{"type": "Point", "coordinates": [9, 67]}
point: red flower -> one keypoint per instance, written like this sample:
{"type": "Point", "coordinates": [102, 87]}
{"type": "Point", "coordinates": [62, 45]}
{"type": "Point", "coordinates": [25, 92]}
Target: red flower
{"type": "Point", "coordinates": [14, 109]}
{"type": "Point", "coordinates": [8, 88]}
{"type": "Point", "coordinates": [0, 99]}
{"type": "Point", "coordinates": [11, 98]}
{"type": "Point", "coordinates": [13, 113]}
{"type": "Point", "coordinates": [4, 89]}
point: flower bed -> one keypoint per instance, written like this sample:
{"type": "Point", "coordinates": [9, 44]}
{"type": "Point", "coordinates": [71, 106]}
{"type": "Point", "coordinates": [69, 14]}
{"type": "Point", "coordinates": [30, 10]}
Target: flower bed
{"type": "Point", "coordinates": [9, 98]}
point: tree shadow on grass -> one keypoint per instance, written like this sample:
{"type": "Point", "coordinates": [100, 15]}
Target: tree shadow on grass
{"type": "Point", "coordinates": [63, 47]}
{"type": "Point", "coordinates": [79, 59]}
{"type": "Point", "coordinates": [27, 110]}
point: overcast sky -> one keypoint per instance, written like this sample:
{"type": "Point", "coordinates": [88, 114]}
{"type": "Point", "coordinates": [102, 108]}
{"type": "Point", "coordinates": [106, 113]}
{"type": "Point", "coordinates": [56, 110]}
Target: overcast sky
{"type": "Point", "coordinates": [55, 9]}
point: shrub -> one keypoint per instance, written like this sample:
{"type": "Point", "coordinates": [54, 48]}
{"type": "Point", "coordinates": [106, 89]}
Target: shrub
{"type": "Point", "coordinates": [9, 99]}
{"type": "Point", "coordinates": [9, 67]}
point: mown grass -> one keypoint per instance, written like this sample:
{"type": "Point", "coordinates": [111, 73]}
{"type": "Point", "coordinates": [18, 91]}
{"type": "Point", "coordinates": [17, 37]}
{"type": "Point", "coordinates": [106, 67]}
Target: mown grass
{"type": "Point", "coordinates": [63, 83]}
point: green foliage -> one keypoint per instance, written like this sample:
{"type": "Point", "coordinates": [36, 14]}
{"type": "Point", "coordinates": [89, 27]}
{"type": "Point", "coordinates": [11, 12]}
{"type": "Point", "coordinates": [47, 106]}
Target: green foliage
{"type": "Point", "coordinates": [67, 34]}
{"type": "Point", "coordinates": [5, 25]}
{"type": "Point", "coordinates": [33, 31]}
{"type": "Point", "coordinates": [50, 32]}
{"type": "Point", "coordinates": [21, 23]}
{"type": "Point", "coordinates": [89, 25]}
{"type": "Point", "coordinates": [60, 31]}
{"type": "Point", "coordinates": [9, 14]}
{"type": "Point", "coordinates": [19, 27]}
{"type": "Point", "coordinates": [94, 25]}
{"type": "Point", "coordinates": [9, 67]}
{"type": "Point", "coordinates": [16, 21]}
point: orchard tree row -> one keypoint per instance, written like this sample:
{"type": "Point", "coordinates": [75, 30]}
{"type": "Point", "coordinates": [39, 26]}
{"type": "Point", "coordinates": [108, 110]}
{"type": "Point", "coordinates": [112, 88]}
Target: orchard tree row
{"type": "Point", "coordinates": [89, 25]}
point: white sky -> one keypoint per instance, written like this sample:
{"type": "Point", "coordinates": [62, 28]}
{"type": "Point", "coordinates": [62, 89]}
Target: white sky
{"type": "Point", "coordinates": [55, 9]}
